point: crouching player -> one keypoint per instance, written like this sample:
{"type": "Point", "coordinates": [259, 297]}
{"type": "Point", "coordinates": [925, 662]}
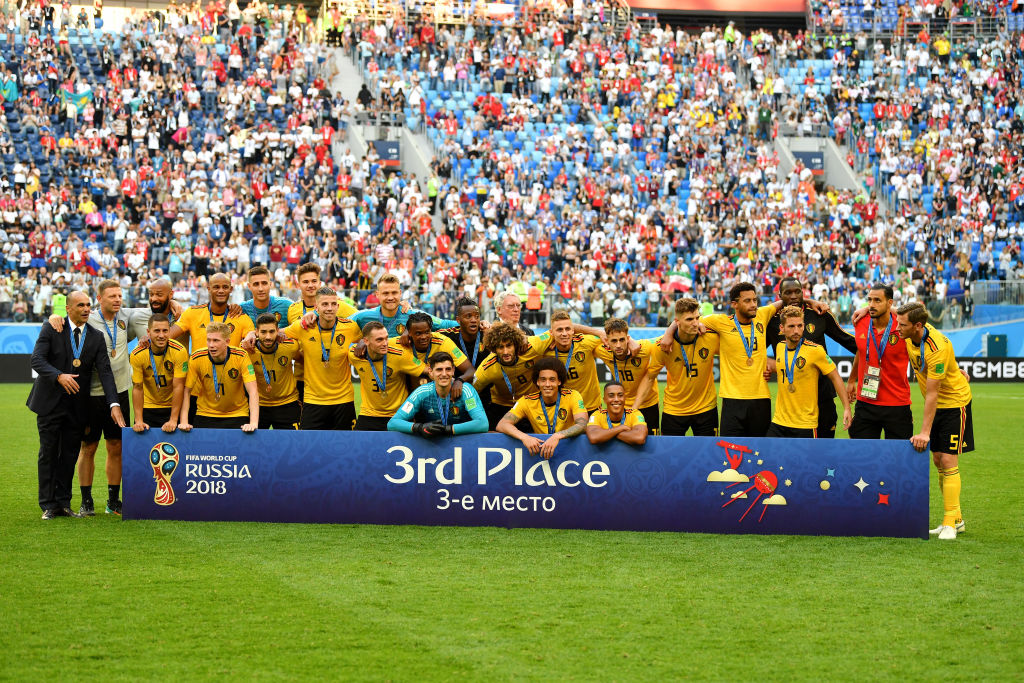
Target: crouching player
{"type": "Point", "coordinates": [616, 421]}
{"type": "Point", "coordinates": [431, 411]}
{"type": "Point", "coordinates": [554, 410]}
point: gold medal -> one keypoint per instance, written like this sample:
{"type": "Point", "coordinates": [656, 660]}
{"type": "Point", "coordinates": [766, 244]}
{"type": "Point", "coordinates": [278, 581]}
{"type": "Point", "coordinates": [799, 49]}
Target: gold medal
{"type": "Point", "coordinates": [792, 389]}
{"type": "Point", "coordinates": [76, 363]}
{"type": "Point", "coordinates": [750, 362]}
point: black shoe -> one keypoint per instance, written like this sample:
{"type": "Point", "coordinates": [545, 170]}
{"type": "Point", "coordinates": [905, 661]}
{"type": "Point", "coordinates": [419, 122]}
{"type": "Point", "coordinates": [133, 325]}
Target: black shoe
{"type": "Point", "coordinates": [68, 512]}
{"type": "Point", "coordinates": [113, 507]}
{"type": "Point", "coordinates": [87, 509]}
{"type": "Point", "coordinates": [50, 514]}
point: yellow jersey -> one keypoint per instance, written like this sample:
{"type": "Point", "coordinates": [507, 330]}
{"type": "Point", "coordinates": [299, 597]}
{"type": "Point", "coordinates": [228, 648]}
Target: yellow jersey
{"type": "Point", "coordinates": [507, 382]}
{"type": "Point", "coordinates": [299, 309]}
{"type": "Point", "coordinates": [799, 408]}
{"type": "Point", "coordinates": [630, 372]}
{"type": "Point", "coordinates": [561, 414]}
{"type": "Point", "coordinates": [383, 399]}
{"type": "Point", "coordinates": [327, 383]}
{"type": "Point", "coordinates": [193, 322]}
{"type": "Point", "coordinates": [579, 364]}
{"type": "Point", "coordinates": [630, 418]}
{"type": "Point", "coordinates": [940, 364]}
{"type": "Point", "coordinates": [158, 387]}
{"type": "Point", "coordinates": [274, 376]}
{"type": "Point", "coordinates": [690, 389]}
{"type": "Point", "coordinates": [227, 397]}
{"type": "Point", "coordinates": [439, 342]}
{"type": "Point", "coordinates": [740, 380]}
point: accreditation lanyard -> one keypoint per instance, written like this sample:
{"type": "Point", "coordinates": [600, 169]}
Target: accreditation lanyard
{"type": "Point", "coordinates": [791, 367]}
{"type": "Point", "coordinates": [476, 346]}
{"type": "Point", "coordinates": [325, 351]}
{"type": "Point", "coordinates": [748, 344]}
{"type": "Point", "coordinates": [112, 335]}
{"type": "Point", "coordinates": [382, 384]}
{"type": "Point", "coordinates": [444, 406]}
{"type": "Point", "coordinates": [544, 409]}
{"type": "Point", "coordinates": [879, 344]}
{"type": "Point", "coordinates": [263, 364]}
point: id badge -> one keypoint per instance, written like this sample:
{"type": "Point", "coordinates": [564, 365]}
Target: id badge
{"type": "Point", "coordinates": [872, 380]}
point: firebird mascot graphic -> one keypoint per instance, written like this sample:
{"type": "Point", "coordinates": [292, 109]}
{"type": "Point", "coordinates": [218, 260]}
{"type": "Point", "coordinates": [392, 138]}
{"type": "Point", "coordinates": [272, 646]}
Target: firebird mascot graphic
{"type": "Point", "coordinates": [164, 458]}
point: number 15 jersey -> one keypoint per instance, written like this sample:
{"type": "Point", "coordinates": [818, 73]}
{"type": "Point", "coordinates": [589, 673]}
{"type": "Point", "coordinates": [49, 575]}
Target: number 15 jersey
{"type": "Point", "coordinates": [690, 389]}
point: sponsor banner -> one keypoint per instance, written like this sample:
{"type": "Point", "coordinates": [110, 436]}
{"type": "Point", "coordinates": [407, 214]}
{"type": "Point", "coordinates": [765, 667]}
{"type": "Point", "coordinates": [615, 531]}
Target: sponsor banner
{"type": "Point", "coordinates": [814, 161]}
{"type": "Point", "coordinates": [388, 152]}
{"type": "Point", "coordinates": [723, 6]}
{"type": "Point", "coordinates": [735, 485]}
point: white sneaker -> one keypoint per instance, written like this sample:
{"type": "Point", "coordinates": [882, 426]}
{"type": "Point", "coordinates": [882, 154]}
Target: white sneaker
{"type": "Point", "coordinates": [947, 533]}
{"type": "Point", "coordinates": [960, 528]}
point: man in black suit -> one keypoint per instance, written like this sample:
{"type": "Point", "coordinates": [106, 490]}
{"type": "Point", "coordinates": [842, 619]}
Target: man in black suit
{"type": "Point", "coordinates": [64, 362]}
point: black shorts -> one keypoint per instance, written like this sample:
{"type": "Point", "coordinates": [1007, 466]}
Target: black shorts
{"type": "Point", "coordinates": [869, 420]}
{"type": "Point", "coordinates": [495, 412]}
{"type": "Point", "coordinates": [372, 423]}
{"type": "Point", "coordinates": [702, 424]}
{"type": "Point", "coordinates": [100, 422]}
{"type": "Point", "coordinates": [337, 417]}
{"type": "Point", "coordinates": [746, 416]}
{"type": "Point", "coordinates": [207, 422]}
{"type": "Point", "coordinates": [280, 417]}
{"type": "Point", "coordinates": [952, 430]}
{"type": "Point", "coordinates": [777, 431]}
{"type": "Point", "coordinates": [301, 386]}
{"type": "Point", "coordinates": [652, 416]}
{"type": "Point", "coordinates": [156, 417]}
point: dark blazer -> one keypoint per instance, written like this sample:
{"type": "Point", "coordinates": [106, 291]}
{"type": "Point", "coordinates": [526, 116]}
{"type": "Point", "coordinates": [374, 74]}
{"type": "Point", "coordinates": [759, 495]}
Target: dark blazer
{"type": "Point", "coordinates": [52, 357]}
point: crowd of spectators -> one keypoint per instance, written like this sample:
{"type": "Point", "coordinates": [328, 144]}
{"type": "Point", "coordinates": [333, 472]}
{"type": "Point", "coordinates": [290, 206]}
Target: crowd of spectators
{"type": "Point", "coordinates": [611, 171]}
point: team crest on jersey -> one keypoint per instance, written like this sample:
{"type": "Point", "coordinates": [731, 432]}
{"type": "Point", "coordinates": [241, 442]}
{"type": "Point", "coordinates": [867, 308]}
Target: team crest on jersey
{"type": "Point", "coordinates": [529, 364]}
{"type": "Point", "coordinates": [233, 373]}
{"type": "Point", "coordinates": [579, 356]}
{"type": "Point", "coordinates": [562, 412]}
{"type": "Point", "coordinates": [455, 411]}
{"type": "Point", "coordinates": [232, 327]}
{"type": "Point", "coordinates": [703, 353]}
{"type": "Point", "coordinates": [390, 371]}
{"type": "Point", "coordinates": [635, 362]}
{"type": "Point", "coordinates": [810, 328]}
{"type": "Point", "coordinates": [801, 362]}
{"type": "Point", "coordinates": [340, 340]}
{"type": "Point", "coordinates": [277, 316]}
{"type": "Point", "coordinates": [400, 328]}
{"type": "Point", "coordinates": [121, 324]}
{"type": "Point", "coordinates": [168, 365]}
{"type": "Point", "coordinates": [894, 339]}
{"type": "Point", "coordinates": [282, 361]}
{"type": "Point", "coordinates": [760, 327]}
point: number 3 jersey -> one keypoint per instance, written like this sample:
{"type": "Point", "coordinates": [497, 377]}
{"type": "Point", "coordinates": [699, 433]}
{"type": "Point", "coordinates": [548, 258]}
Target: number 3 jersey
{"type": "Point", "coordinates": [690, 389]}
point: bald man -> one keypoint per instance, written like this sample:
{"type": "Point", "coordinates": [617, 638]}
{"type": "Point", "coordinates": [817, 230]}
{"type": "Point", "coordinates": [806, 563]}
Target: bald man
{"type": "Point", "coordinates": [193, 321]}
{"type": "Point", "coordinates": [65, 363]}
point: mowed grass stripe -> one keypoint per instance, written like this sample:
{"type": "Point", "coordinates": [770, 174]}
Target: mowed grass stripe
{"type": "Point", "coordinates": [199, 600]}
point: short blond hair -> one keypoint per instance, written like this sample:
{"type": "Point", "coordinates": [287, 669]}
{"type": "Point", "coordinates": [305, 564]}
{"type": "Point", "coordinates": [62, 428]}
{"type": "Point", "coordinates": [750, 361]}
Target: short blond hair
{"type": "Point", "coordinates": [217, 327]}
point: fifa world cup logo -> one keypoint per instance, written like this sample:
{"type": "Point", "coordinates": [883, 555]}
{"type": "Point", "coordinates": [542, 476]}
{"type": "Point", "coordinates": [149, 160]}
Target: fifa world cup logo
{"type": "Point", "coordinates": [164, 458]}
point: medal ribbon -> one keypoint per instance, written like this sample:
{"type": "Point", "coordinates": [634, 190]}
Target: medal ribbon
{"type": "Point", "coordinates": [263, 364]}
{"type": "Point", "coordinates": [551, 427]}
{"type": "Point", "coordinates": [325, 353]}
{"type": "Point", "coordinates": [444, 406]}
{"type": "Point", "coordinates": [507, 382]}
{"type": "Point", "coordinates": [77, 351]}
{"type": "Point", "coordinates": [791, 367]}
{"type": "Point", "coordinates": [924, 363]}
{"type": "Point", "coordinates": [112, 335]}
{"type": "Point", "coordinates": [748, 344]}
{"type": "Point", "coordinates": [879, 344]}
{"type": "Point", "coordinates": [216, 384]}
{"type": "Point", "coordinates": [223, 320]}
{"type": "Point", "coordinates": [476, 346]}
{"type": "Point", "coordinates": [152, 362]}
{"type": "Point", "coordinates": [382, 385]}
{"type": "Point", "coordinates": [568, 358]}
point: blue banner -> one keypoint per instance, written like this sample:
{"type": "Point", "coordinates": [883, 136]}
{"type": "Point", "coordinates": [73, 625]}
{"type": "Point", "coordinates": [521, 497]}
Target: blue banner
{"type": "Point", "coordinates": [762, 486]}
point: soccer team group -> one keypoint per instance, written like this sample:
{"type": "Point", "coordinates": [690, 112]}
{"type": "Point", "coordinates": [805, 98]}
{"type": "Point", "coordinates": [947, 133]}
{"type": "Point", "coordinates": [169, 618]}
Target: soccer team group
{"type": "Point", "coordinates": [272, 363]}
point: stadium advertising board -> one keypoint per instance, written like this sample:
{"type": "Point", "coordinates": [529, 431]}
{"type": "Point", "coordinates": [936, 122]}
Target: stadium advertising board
{"type": "Point", "coordinates": [735, 485]}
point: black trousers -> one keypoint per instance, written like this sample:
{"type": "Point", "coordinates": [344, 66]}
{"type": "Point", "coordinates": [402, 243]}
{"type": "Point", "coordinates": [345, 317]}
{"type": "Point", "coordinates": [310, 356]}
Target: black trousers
{"type": "Point", "coordinates": [59, 442]}
{"type": "Point", "coordinates": [372, 423]}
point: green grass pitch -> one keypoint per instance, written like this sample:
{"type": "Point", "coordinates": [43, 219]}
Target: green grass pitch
{"type": "Point", "coordinates": [105, 599]}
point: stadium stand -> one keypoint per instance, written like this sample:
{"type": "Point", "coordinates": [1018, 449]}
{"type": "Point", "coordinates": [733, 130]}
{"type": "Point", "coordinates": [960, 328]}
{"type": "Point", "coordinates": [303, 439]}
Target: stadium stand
{"type": "Point", "coordinates": [610, 165]}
